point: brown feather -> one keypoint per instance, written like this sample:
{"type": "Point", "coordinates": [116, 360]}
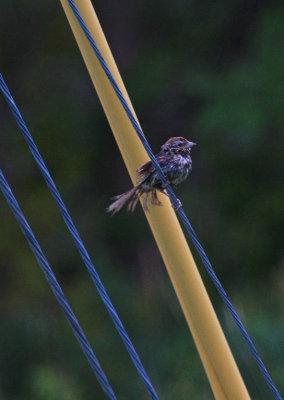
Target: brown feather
{"type": "Point", "coordinates": [144, 170]}
{"type": "Point", "coordinates": [121, 199]}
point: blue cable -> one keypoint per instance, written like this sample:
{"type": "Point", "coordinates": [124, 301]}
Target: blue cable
{"type": "Point", "coordinates": [55, 287]}
{"type": "Point", "coordinates": [77, 239]}
{"type": "Point", "coordinates": [176, 203]}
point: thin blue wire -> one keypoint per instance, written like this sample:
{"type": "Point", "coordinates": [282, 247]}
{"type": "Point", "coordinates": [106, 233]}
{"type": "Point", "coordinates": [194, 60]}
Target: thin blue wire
{"type": "Point", "coordinates": [176, 203]}
{"type": "Point", "coordinates": [55, 287]}
{"type": "Point", "coordinates": [77, 239]}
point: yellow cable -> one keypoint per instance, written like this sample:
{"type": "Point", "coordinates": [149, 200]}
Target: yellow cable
{"type": "Point", "coordinates": [221, 369]}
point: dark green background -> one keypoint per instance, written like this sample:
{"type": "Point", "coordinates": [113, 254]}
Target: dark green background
{"type": "Point", "coordinates": [209, 71]}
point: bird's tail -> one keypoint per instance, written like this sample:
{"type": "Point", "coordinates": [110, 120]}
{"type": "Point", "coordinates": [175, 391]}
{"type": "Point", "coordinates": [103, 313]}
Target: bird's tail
{"type": "Point", "coordinates": [132, 196]}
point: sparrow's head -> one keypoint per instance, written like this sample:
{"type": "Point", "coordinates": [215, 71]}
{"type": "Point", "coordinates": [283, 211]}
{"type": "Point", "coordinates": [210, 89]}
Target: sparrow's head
{"type": "Point", "coordinates": [178, 145]}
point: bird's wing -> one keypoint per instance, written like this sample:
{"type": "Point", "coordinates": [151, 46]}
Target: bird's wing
{"type": "Point", "coordinates": [144, 170]}
{"type": "Point", "coordinates": [147, 169]}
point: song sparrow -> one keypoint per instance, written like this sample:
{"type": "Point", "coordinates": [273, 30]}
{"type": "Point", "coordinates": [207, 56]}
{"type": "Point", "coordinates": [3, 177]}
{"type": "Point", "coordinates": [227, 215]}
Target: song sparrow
{"type": "Point", "coordinates": [175, 161]}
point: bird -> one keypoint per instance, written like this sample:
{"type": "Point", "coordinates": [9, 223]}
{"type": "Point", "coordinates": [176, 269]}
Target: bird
{"type": "Point", "coordinates": [175, 162]}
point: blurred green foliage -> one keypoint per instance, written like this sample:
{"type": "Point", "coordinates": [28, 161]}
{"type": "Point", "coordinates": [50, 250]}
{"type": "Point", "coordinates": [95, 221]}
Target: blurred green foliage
{"type": "Point", "coordinates": [210, 71]}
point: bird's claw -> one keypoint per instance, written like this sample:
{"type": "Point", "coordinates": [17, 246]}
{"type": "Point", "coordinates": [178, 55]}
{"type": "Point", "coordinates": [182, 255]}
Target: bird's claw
{"type": "Point", "coordinates": [178, 205]}
{"type": "Point", "coordinates": [166, 185]}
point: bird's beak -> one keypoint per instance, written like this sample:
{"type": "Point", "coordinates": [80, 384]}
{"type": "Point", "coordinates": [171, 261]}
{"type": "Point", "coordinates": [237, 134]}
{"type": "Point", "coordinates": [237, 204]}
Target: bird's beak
{"type": "Point", "coordinates": [191, 144]}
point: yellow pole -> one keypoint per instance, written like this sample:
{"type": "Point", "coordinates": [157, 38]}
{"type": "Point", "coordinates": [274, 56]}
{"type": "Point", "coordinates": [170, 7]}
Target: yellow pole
{"type": "Point", "coordinates": [221, 369]}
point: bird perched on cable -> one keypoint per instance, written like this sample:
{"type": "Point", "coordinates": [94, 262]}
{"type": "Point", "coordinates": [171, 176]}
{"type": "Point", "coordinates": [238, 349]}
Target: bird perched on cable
{"type": "Point", "coordinates": [175, 161]}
